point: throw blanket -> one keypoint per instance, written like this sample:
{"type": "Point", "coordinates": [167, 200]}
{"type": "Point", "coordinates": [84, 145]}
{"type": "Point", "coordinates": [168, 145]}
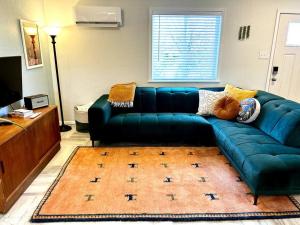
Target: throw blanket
{"type": "Point", "coordinates": [122, 95]}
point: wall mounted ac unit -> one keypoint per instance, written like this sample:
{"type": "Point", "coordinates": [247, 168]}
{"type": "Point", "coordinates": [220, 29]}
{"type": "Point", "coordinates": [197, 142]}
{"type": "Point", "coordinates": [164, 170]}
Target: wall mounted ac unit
{"type": "Point", "coordinates": [98, 16]}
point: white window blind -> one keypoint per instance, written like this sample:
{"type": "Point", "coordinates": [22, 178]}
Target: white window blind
{"type": "Point", "coordinates": [185, 46]}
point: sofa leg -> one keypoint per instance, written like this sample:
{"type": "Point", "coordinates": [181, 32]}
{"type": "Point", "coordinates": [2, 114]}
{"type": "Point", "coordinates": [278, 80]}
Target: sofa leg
{"type": "Point", "coordinates": [93, 143]}
{"type": "Point", "coordinates": [255, 199]}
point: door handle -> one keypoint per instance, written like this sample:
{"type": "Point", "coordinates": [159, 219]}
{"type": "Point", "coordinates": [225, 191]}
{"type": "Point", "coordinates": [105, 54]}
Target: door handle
{"type": "Point", "coordinates": [274, 79]}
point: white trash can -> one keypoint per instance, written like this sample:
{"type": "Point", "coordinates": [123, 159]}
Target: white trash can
{"type": "Point", "coordinates": [81, 117]}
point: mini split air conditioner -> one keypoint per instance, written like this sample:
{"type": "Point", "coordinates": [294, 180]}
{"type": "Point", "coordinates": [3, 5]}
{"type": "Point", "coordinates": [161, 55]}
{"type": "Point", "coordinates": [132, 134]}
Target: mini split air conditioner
{"type": "Point", "coordinates": [98, 16]}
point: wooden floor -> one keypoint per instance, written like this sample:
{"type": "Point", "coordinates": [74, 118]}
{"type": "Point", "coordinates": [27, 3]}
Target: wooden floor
{"type": "Point", "coordinates": [21, 212]}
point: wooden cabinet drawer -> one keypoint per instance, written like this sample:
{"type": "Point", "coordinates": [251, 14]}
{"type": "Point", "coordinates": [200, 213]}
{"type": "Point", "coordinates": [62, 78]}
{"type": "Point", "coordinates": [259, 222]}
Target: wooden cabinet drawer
{"type": "Point", "coordinates": [43, 133]}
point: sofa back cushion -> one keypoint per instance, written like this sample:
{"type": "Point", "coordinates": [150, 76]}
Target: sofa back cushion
{"type": "Point", "coordinates": [145, 100]}
{"type": "Point", "coordinates": [164, 99]}
{"type": "Point", "coordinates": [177, 99]}
{"type": "Point", "coordinates": [279, 118]}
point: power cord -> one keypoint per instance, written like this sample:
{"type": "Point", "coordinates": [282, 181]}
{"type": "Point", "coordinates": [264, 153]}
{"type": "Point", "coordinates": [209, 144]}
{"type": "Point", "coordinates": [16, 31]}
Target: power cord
{"type": "Point", "coordinates": [12, 122]}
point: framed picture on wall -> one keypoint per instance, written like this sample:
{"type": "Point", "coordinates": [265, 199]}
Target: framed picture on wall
{"type": "Point", "coordinates": [31, 44]}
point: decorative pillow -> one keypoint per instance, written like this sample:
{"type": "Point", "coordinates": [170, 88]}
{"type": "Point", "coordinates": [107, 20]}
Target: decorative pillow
{"type": "Point", "coordinates": [250, 109]}
{"type": "Point", "coordinates": [227, 108]}
{"type": "Point", "coordinates": [207, 100]}
{"type": "Point", "coordinates": [239, 94]}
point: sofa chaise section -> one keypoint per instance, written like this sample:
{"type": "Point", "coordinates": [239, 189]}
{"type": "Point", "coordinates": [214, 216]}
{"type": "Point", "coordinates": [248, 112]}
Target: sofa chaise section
{"type": "Point", "coordinates": [265, 153]}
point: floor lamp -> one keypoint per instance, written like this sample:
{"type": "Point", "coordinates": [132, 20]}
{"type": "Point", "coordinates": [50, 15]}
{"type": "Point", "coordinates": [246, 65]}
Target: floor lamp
{"type": "Point", "coordinates": [53, 31]}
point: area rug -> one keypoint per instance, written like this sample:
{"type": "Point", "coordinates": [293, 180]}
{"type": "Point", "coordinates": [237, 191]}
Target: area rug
{"type": "Point", "coordinates": [154, 184]}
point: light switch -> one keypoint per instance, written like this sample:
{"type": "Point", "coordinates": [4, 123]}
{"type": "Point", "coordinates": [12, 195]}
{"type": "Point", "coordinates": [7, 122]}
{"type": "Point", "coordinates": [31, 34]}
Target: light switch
{"type": "Point", "coordinates": [264, 54]}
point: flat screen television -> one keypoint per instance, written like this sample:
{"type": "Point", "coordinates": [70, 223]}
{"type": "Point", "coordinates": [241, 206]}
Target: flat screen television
{"type": "Point", "coordinates": [10, 80]}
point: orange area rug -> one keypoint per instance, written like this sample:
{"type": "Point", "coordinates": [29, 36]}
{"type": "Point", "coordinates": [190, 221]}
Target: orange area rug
{"type": "Point", "coordinates": [154, 183]}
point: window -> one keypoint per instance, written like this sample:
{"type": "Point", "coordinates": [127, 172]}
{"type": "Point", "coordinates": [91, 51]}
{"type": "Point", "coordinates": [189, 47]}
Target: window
{"type": "Point", "coordinates": [185, 46]}
{"type": "Point", "coordinates": [293, 36]}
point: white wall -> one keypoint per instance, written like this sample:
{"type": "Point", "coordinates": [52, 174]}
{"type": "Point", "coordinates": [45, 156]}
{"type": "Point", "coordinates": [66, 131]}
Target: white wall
{"type": "Point", "coordinates": [91, 59]}
{"type": "Point", "coordinates": [37, 80]}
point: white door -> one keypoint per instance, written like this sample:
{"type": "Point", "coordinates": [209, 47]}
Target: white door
{"type": "Point", "coordinates": [285, 72]}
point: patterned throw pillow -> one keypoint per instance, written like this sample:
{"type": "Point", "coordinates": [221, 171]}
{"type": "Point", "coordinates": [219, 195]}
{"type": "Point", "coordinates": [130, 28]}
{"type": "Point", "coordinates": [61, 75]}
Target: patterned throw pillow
{"type": "Point", "coordinates": [207, 101]}
{"type": "Point", "coordinates": [250, 109]}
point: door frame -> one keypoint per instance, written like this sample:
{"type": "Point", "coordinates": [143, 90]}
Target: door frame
{"type": "Point", "coordinates": [279, 12]}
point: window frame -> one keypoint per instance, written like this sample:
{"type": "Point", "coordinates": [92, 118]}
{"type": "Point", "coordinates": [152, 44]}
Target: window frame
{"type": "Point", "coordinates": [175, 11]}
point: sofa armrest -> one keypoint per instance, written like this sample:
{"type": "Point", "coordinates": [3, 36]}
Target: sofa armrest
{"type": "Point", "coordinates": [99, 114]}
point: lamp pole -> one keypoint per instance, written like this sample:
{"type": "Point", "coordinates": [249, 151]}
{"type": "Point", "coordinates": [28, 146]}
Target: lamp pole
{"type": "Point", "coordinates": [63, 127]}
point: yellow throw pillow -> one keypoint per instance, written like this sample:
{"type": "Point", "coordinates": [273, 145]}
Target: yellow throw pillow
{"type": "Point", "coordinates": [239, 94]}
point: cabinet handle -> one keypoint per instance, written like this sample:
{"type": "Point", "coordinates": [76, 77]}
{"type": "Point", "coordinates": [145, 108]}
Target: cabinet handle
{"type": "Point", "coordinates": [2, 166]}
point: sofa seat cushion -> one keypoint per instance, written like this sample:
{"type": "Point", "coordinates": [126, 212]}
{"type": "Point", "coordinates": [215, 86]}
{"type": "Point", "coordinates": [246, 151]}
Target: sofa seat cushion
{"type": "Point", "coordinates": [237, 139]}
{"type": "Point", "coordinates": [160, 126]}
{"type": "Point", "coordinates": [264, 162]}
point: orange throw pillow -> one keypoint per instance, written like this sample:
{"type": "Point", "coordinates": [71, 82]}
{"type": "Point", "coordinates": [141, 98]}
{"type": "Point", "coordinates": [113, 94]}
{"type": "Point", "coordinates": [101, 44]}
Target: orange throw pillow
{"type": "Point", "coordinates": [227, 108]}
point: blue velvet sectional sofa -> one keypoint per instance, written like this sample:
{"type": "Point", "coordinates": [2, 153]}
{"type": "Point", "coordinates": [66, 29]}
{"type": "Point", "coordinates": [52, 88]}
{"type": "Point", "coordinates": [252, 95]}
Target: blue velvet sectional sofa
{"type": "Point", "coordinates": [266, 153]}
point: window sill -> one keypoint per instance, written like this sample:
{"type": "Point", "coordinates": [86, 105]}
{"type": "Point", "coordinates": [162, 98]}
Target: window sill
{"type": "Point", "coordinates": [184, 81]}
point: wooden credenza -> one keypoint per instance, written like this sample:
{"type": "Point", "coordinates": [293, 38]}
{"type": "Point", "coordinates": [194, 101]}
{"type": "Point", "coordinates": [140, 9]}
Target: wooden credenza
{"type": "Point", "coordinates": [24, 153]}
